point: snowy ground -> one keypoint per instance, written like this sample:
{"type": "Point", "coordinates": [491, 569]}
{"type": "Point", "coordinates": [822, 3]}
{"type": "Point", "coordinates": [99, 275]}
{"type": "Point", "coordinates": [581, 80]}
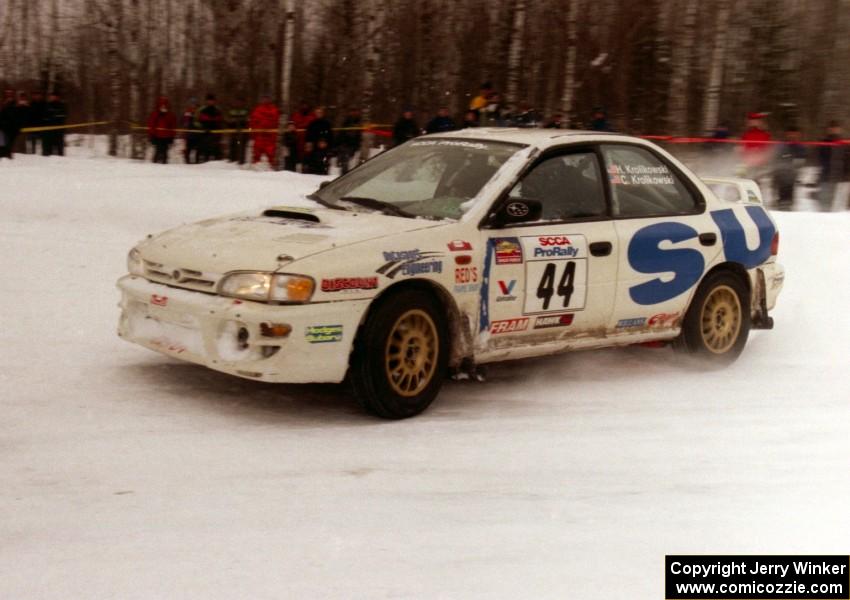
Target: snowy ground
{"type": "Point", "coordinates": [129, 475]}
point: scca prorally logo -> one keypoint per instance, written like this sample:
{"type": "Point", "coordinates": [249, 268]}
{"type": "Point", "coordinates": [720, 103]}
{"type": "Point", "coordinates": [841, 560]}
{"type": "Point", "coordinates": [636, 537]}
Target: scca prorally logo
{"type": "Point", "coordinates": [554, 246]}
{"type": "Point", "coordinates": [410, 262]}
{"type": "Point", "coordinates": [506, 288]}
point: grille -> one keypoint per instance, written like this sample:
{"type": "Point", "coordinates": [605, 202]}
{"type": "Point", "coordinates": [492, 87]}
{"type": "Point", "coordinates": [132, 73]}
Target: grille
{"type": "Point", "coordinates": [180, 276]}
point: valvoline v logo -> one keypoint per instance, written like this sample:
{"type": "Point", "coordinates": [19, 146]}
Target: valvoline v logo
{"type": "Point", "coordinates": [687, 264]}
{"type": "Point", "coordinates": [507, 286]}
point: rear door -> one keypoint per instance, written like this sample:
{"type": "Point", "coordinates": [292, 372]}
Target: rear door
{"type": "Point", "coordinates": [554, 278]}
{"type": "Point", "coordinates": [666, 235]}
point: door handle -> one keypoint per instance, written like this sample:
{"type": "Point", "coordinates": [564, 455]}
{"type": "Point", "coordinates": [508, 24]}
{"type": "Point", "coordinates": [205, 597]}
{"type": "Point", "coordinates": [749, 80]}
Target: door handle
{"type": "Point", "coordinates": [708, 239]}
{"type": "Point", "coordinates": [601, 248]}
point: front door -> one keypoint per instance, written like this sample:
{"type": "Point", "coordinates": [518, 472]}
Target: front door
{"type": "Point", "coordinates": [554, 278]}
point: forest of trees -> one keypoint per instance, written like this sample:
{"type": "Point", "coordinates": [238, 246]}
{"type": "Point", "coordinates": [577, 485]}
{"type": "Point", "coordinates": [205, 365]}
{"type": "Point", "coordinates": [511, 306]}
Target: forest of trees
{"type": "Point", "coordinates": [657, 66]}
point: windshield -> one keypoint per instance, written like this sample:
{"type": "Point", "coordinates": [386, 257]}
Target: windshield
{"type": "Point", "coordinates": [430, 178]}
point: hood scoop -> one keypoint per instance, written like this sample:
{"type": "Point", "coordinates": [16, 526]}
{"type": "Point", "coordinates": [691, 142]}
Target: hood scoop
{"type": "Point", "coordinates": [292, 214]}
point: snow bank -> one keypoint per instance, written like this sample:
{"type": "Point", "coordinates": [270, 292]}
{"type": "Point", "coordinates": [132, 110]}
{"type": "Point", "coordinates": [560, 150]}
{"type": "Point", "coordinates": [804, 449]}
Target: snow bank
{"type": "Point", "coordinates": [130, 475]}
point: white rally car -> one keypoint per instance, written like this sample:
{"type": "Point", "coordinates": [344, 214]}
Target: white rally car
{"type": "Point", "coordinates": [455, 250]}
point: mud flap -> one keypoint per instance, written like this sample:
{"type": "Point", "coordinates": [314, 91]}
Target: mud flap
{"type": "Point", "coordinates": [761, 320]}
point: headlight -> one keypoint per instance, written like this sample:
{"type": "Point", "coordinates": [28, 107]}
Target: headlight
{"type": "Point", "coordinates": [134, 263]}
{"type": "Point", "coordinates": [267, 287]}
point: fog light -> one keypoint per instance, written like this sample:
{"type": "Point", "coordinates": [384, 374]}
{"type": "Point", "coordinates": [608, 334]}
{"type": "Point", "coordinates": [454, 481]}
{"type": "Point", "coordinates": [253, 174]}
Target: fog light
{"type": "Point", "coordinates": [274, 329]}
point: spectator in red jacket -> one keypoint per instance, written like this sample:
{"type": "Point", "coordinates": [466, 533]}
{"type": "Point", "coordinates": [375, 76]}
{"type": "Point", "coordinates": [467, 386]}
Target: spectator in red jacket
{"type": "Point", "coordinates": [265, 116]}
{"type": "Point", "coordinates": [756, 152]}
{"type": "Point", "coordinates": [302, 119]}
{"type": "Point", "coordinates": [161, 125]}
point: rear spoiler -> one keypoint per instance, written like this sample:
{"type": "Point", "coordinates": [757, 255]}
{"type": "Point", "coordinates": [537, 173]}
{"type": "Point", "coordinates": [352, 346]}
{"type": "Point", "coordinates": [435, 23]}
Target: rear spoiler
{"type": "Point", "coordinates": [734, 189]}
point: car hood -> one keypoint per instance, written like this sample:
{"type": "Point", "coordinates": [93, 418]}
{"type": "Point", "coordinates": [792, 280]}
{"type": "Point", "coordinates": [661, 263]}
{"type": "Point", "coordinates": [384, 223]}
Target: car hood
{"type": "Point", "coordinates": [270, 239]}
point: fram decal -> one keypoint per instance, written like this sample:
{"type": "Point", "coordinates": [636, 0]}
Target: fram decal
{"type": "Point", "coordinates": [459, 246]}
{"type": "Point", "coordinates": [687, 265]}
{"type": "Point", "coordinates": [159, 300]}
{"type": "Point", "coordinates": [509, 325]}
{"type": "Point", "coordinates": [349, 283]}
{"type": "Point", "coordinates": [553, 321]}
{"type": "Point", "coordinates": [508, 251]}
{"type": "Point", "coordinates": [410, 262]}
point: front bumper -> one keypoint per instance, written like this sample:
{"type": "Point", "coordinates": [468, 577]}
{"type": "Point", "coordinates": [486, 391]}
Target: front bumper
{"type": "Point", "coordinates": [234, 336]}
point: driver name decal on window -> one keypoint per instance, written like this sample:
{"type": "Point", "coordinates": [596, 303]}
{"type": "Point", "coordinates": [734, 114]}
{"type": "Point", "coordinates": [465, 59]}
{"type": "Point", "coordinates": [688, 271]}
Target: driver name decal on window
{"type": "Point", "coordinates": [555, 273]}
{"type": "Point", "coordinates": [627, 174]}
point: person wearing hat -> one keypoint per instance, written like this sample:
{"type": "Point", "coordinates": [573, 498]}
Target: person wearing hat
{"type": "Point", "coordinates": [756, 151]}
{"type": "Point", "coordinates": [237, 118]}
{"type": "Point", "coordinates": [265, 117]}
{"type": "Point", "coordinates": [191, 135]}
{"type": "Point", "coordinates": [161, 125]}
{"type": "Point", "coordinates": [289, 146]}
{"type": "Point", "coordinates": [405, 128]}
{"type": "Point", "coordinates": [210, 118]}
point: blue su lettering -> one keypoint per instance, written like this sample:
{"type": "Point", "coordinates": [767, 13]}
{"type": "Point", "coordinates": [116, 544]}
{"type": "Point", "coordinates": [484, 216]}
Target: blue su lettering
{"type": "Point", "coordinates": [645, 256]}
{"type": "Point", "coordinates": [735, 239]}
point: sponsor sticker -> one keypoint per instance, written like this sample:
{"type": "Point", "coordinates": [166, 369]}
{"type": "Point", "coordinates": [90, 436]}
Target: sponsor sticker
{"type": "Point", "coordinates": [460, 246]}
{"type": "Point", "coordinates": [339, 284]}
{"type": "Point", "coordinates": [626, 323]}
{"type": "Point", "coordinates": [508, 251]}
{"type": "Point", "coordinates": [159, 300]}
{"type": "Point", "coordinates": [463, 288]}
{"type": "Point", "coordinates": [506, 288]}
{"type": "Point", "coordinates": [662, 319]}
{"type": "Point", "coordinates": [320, 334]}
{"type": "Point", "coordinates": [410, 262]}
{"type": "Point", "coordinates": [509, 325]}
{"type": "Point", "coordinates": [466, 275]}
{"type": "Point", "coordinates": [553, 321]}
{"type": "Point", "coordinates": [554, 246]}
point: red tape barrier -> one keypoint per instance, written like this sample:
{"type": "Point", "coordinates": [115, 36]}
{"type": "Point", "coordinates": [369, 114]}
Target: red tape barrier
{"type": "Point", "coordinates": [706, 140]}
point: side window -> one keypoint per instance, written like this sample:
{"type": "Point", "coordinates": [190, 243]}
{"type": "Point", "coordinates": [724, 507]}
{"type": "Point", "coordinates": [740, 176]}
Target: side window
{"type": "Point", "coordinates": [569, 187]}
{"type": "Point", "coordinates": [642, 185]}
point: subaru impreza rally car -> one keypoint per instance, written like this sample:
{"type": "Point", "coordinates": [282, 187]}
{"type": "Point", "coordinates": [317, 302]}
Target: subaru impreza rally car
{"type": "Point", "coordinates": [455, 250]}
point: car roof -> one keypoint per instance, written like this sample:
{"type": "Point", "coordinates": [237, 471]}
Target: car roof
{"type": "Point", "coordinates": [541, 138]}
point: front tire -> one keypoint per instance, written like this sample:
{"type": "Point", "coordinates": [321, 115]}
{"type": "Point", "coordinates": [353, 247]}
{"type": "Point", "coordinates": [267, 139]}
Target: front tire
{"type": "Point", "coordinates": [717, 323]}
{"type": "Point", "coordinates": [400, 356]}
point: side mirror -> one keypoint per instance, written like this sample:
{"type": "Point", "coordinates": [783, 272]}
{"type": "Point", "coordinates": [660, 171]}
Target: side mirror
{"type": "Point", "coordinates": [518, 210]}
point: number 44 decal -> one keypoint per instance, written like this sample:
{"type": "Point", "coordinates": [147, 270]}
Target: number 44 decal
{"type": "Point", "coordinates": [555, 286]}
{"type": "Point", "coordinates": [546, 287]}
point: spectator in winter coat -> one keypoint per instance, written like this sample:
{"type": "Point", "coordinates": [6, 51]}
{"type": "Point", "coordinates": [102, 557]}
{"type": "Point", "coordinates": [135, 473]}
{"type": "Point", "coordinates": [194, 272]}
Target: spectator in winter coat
{"type": "Point", "coordinates": [302, 119]}
{"type": "Point", "coordinates": [349, 139]}
{"type": "Point", "coordinates": [756, 151]}
{"type": "Point", "coordinates": [600, 120]}
{"type": "Point", "coordinates": [319, 129]}
{"type": "Point", "coordinates": [55, 114]}
{"type": "Point", "coordinates": [441, 122]}
{"type": "Point", "coordinates": [210, 118]}
{"type": "Point", "coordinates": [265, 116]}
{"type": "Point", "coordinates": [405, 128]}
{"type": "Point", "coordinates": [10, 123]}
{"type": "Point", "coordinates": [789, 157]}
{"type": "Point", "coordinates": [190, 125]}
{"type": "Point", "coordinates": [237, 118]}
{"type": "Point", "coordinates": [470, 119]}
{"type": "Point", "coordinates": [492, 115]}
{"type": "Point", "coordinates": [482, 99]}
{"type": "Point", "coordinates": [289, 147]}
{"type": "Point", "coordinates": [161, 125]}
{"type": "Point", "coordinates": [318, 159]}
{"type": "Point", "coordinates": [35, 118]}
{"type": "Point", "coordinates": [556, 122]}
{"type": "Point", "coordinates": [834, 162]}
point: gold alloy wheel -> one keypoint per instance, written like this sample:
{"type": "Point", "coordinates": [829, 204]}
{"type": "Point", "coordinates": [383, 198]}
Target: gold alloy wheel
{"type": "Point", "coordinates": [720, 322]}
{"type": "Point", "coordinates": [410, 357]}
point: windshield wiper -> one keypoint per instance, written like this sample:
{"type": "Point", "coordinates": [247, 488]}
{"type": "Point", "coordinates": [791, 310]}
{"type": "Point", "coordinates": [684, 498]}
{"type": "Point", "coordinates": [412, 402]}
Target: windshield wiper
{"type": "Point", "coordinates": [316, 198]}
{"type": "Point", "coordinates": [384, 207]}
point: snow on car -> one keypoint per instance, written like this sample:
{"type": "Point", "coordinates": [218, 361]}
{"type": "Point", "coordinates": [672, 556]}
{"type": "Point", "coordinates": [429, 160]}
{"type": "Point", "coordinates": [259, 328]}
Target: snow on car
{"type": "Point", "coordinates": [456, 250]}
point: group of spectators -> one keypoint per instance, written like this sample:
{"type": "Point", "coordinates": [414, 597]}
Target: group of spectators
{"type": "Point", "coordinates": [778, 162]}
{"type": "Point", "coordinates": [19, 111]}
{"type": "Point", "coordinates": [306, 140]}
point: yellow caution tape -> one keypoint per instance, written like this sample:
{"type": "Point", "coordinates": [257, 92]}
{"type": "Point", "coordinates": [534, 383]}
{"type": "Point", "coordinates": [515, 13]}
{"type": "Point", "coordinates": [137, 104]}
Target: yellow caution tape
{"type": "Point", "coordinates": [55, 127]}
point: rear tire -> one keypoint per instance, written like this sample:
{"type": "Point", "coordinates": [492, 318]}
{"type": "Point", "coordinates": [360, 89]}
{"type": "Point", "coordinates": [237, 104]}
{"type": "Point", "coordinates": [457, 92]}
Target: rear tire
{"type": "Point", "coordinates": [400, 355]}
{"type": "Point", "coordinates": [717, 323]}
